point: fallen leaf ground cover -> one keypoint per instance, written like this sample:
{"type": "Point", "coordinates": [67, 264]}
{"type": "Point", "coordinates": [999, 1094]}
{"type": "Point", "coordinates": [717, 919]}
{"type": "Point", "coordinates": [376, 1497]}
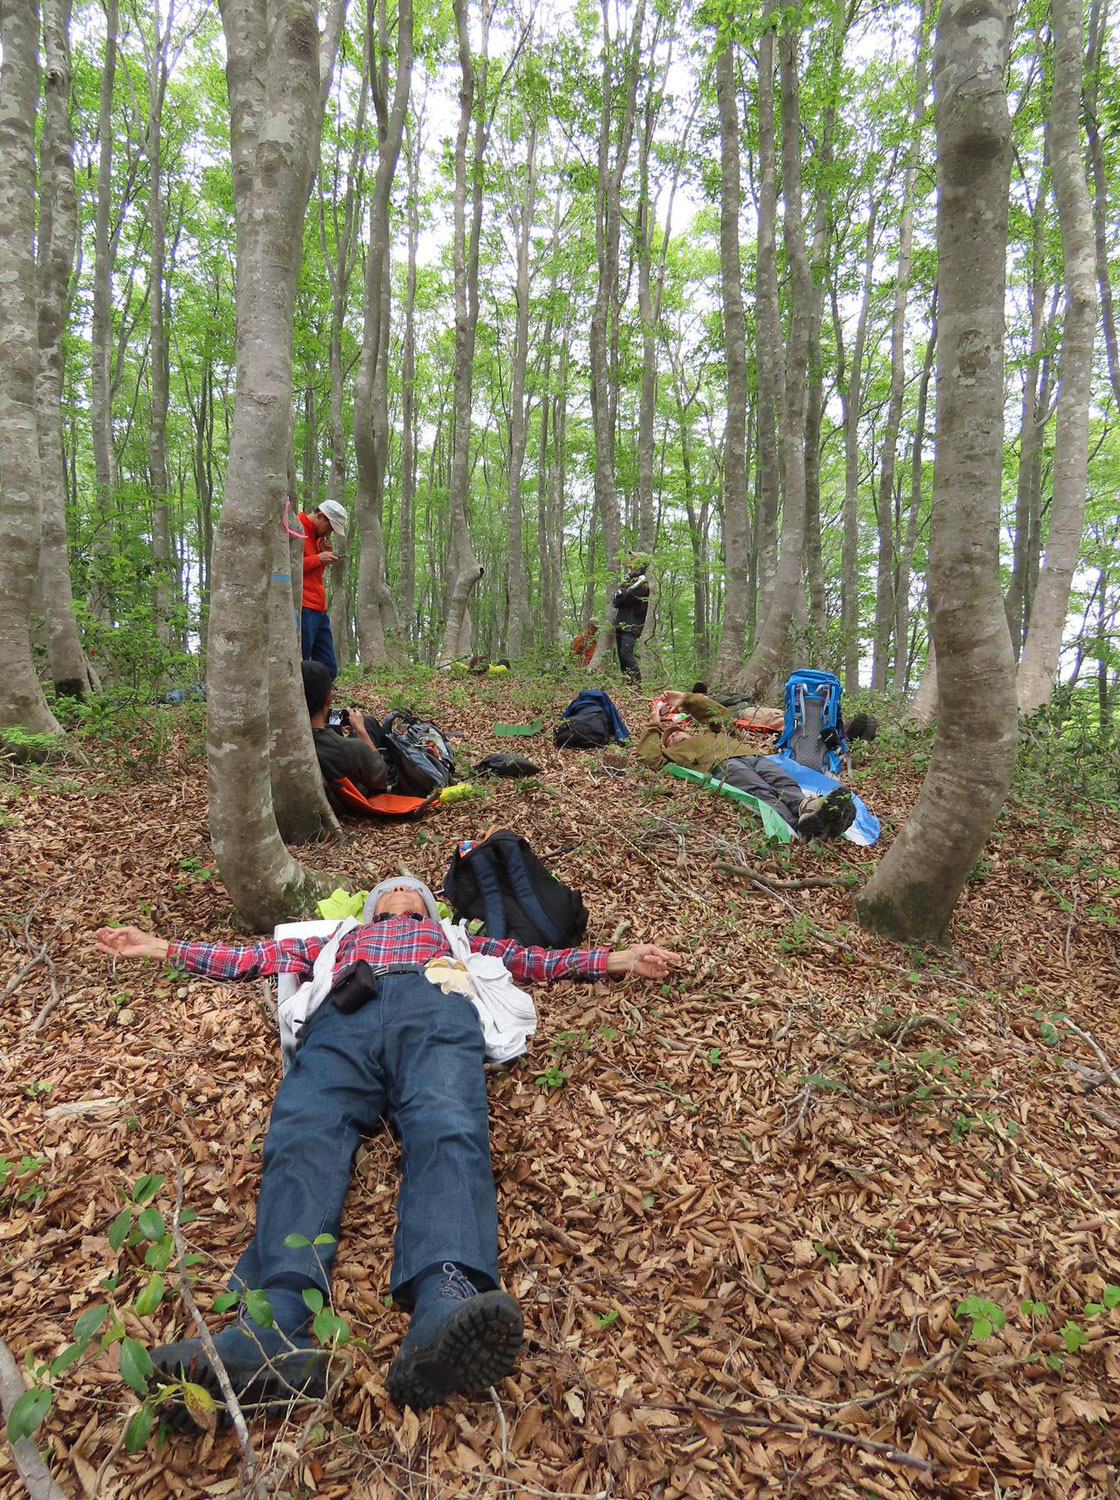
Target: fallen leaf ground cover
{"type": "Point", "coordinates": [741, 1211]}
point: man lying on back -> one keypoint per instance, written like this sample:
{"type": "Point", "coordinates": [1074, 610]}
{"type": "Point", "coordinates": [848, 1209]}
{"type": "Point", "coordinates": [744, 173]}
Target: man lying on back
{"type": "Point", "coordinates": [387, 1042]}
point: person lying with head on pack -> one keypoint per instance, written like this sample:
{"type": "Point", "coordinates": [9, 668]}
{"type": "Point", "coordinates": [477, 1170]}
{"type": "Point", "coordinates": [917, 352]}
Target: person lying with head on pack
{"type": "Point", "coordinates": [353, 756]}
{"type": "Point", "coordinates": [713, 745]}
{"type": "Point", "coordinates": [387, 1042]}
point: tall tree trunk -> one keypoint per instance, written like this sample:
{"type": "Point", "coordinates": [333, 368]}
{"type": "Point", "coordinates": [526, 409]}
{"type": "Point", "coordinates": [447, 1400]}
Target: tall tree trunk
{"type": "Point", "coordinates": [465, 569]}
{"type": "Point", "coordinates": [406, 530]}
{"type": "Point", "coordinates": [339, 264]}
{"type": "Point", "coordinates": [57, 237]}
{"type": "Point", "coordinates": [1039, 670]}
{"type": "Point", "coordinates": [736, 511]}
{"type": "Point", "coordinates": [376, 610]}
{"type": "Point", "coordinates": [1035, 415]}
{"type": "Point", "coordinates": [272, 72]}
{"type": "Point", "coordinates": [906, 553]}
{"type": "Point", "coordinates": [22, 705]}
{"type": "Point", "coordinates": [885, 580]}
{"type": "Point", "coordinates": [1098, 30]}
{"type": "Point", "coordinates": [912, 893]}
{"type": "Point", "coordinates": [851, 403]}
{"type": "Point", "coordinates": [101, 332]}
{"type": "Point", "coordinates": [549, 606]}
{"type": "Point", "coordinates": [769, 653]}
{"type": "Point", "coordinates": [619, 126]}
{"type": "Point", "coordinates": [158, 359]}
{"type": "Point", "coordinates": [768, 325]}
{"type": "Point", "coordinates": [518, 594]}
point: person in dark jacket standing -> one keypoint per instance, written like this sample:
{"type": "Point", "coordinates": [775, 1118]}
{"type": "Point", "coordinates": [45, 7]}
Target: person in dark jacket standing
{"type": "Point", "coordinates": [631, 602]}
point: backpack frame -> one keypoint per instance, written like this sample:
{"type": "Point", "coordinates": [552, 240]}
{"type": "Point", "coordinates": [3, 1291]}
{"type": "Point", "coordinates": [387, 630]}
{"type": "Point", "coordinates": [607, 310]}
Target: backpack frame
{"type": "Point", "coordinates": [813, 732]}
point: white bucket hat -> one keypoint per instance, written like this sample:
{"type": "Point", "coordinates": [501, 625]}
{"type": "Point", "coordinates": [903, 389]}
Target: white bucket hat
{"type": "Point", "coordinates": [335, 514]}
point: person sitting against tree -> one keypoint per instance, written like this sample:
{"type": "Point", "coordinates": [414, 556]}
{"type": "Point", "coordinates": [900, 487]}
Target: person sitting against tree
{"type": "Point", "coordinates": [631, 602]}
{"type": "Point", "coordinates": [712, 744]}
{"type": "Point", "coordinates": [385, 1042]}
{"type": "Point", "coordinates": [316, 640]}
{"type": "Point", "coordinates": [354, 756]}
{"type": "Point", "coordinates": [585, 642]}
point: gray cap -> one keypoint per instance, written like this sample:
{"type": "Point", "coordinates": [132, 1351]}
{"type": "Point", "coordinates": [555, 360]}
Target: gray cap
{"type": "Point", "coordinates": [400, 883]}
{"type": "Point", "coordinates": [335, 514]}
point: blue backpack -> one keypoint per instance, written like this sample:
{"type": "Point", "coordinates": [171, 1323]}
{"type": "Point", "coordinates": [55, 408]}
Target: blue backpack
{"type": "Point", "coordinates": [813, 733]}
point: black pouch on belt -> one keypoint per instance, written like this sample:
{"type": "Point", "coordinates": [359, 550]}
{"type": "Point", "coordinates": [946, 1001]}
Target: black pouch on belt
{"type": "Point", "coordinates": [355, 986]}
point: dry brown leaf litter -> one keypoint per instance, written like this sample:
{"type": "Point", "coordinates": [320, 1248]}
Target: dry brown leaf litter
{"type": "Point", "coordinates": [759, 1196]}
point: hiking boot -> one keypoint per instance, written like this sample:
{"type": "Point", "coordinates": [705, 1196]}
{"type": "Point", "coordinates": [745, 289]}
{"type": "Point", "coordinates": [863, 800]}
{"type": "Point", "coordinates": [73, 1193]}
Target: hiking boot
{"type": "Point", "coordinates": [268, 1368]}
{"type": "Point", "coordinates": [826, 817]}
{"type": "Point", "coordinates": [459, 1339]}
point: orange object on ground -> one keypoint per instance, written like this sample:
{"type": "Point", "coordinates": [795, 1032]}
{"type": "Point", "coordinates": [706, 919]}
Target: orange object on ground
{"type": "Point", "coordinates": [382, 804]}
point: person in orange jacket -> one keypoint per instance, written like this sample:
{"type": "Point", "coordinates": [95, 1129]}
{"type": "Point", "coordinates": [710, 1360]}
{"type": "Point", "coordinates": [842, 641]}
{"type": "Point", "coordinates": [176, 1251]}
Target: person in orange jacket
{"type": "Point", "coordinates": [316, 640]}
{"type": "Point", "coordinates": [584, 644]}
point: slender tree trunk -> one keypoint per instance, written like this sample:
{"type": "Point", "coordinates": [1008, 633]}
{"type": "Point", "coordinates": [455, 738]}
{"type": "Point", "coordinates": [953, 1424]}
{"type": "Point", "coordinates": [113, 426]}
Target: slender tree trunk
{"type": "Point", "coordinates": [769, 652]}
{"type": "Point", "coordinates": [339, 263]}
{"type": "Point", "coordinates": [101, 332]}
{"type": "Point", "coordinates": [906, 555]}
{"type": "Point", "coordinates": [1035, 414]}
{"type": "Point", "coordinates": [1098, 30]}
{"type": "Point", "coordinates": [376, 610]}
{"type": "Point", "coordinates": [465, 569]}
{"type": "Point", "coordinates": [56, 240]}
{"type": "Point", "coordinates": [768, 346]}
{"type": "Point", "coordinates": [851, 402]}
{"type": "Point", "coordinates": [407, 529]}
{"type": "Point", "coordinates": [885, 580]}
{"type": "Point", "coordinates": [518, 594]}
{"type": "Point", "coordinates": [608, 223]}
{"type": "Point", "coordinates": [915, 888]}
{"type": "Point", "coordinates": [272, 73]}
{"type": "Point", "coordinates": [158, 358]}
{"type": "Point", "coordinates": [736, 511]}
{"type": "Point", "coordinates": [22, 705]}
{"type": "Point", "coordinates": [549, 611]}
{"type": "Point", "coordinates": [1039, 670]}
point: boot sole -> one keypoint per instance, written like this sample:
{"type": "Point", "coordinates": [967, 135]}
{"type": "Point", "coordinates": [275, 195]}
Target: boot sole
{"type": "Point", "coordinates": [260, 1388]}
{"type": "Point", "coordinates": [475, 1348]}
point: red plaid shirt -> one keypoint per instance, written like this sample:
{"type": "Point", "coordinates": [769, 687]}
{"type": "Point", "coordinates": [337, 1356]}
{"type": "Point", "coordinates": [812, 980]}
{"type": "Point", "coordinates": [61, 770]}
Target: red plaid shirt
{"type": "Point", "coordinates": [397, 939]}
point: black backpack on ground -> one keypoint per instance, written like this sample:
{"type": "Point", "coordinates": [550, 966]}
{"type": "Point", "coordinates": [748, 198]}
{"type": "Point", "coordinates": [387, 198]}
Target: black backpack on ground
{"type": "Point", "coordinates": [587, 728]}
{"type": "Point", "coordinates": [500, 881]}
{"type": "Point", "coordinates": [417, 753]}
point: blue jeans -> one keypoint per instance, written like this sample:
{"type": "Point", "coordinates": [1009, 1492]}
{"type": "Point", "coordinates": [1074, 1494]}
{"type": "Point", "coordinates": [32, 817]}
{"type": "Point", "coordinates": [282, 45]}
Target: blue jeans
{"type": "Point", "coordinates": [414, 1056]}
{"type": "Point", "coordinates": [316, 640]}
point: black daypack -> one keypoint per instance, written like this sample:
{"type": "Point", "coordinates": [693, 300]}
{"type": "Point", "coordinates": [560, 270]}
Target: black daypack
{"type": "Point", "coordinates": [500, 881]}
{"type": "Point", "coordinates": [587, 728]}
{"type": "Point", "coordinates": [417, 752]}
{"type": "Point", "coordinates": [505, 764]}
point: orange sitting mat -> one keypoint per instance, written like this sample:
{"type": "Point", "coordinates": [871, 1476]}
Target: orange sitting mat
{"type": "Point", "coordinates": [382, 804]}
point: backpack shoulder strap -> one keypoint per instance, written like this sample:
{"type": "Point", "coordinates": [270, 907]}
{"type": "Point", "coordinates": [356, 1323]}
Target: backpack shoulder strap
{"type": "Point", "coordinates": [527, 897]}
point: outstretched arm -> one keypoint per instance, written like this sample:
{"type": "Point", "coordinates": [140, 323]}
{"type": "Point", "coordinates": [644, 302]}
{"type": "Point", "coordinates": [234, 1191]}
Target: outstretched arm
{"type": "Point", "coordinates": [646, 959]}
{"type": "Point", "coordinates": [130, 942]}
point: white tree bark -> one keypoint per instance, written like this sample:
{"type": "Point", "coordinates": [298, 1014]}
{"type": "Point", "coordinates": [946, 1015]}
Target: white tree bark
{"type": "Point", "coordinates": [1039, 670]}
{"type": "Point", "coordinates": [736, 513]}
{"type": "Point", "coordinates": [22, 704]}
{"type": "Point", "coordinates": [464, 568]}
{"type": "Point", "coordinates": [518, 593]}
{"type": "Point", "coordinates": [915, 888]}
{"type": "Point", "coordinates": [376, 610]}
{"type": "Point", "coordinates": [56, 240]}
{"type": "Point", "coordinates": [272, 72]}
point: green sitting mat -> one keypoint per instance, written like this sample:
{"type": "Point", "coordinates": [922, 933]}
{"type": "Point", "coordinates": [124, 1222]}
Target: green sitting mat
{"type": "Point", "coordinates": [774, 825]}
{"type": "Point", "coordinates": [518, 731]}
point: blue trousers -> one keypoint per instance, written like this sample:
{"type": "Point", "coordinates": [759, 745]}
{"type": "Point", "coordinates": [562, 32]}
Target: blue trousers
{"type": "Point", "coordinates": [316, 640]}
{"type": "Point", "coordinates": [413, 1056]}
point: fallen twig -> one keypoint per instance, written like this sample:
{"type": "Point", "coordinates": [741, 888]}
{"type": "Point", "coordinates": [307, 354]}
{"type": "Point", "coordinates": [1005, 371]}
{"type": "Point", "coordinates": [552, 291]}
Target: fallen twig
{"type": "Point", "coordinates": [1091, 1042]}
{"type": "Point", "coordinates": [233, 1406]}
{"type": "Point", "coordinates": [805, 883]}
{"type": "Point", "coordinates": [32, 1470]}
